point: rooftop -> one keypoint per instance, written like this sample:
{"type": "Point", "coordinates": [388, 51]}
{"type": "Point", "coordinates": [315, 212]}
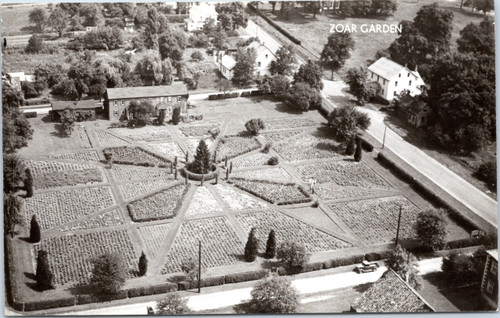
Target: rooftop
{"type": "Point", "coordinates": [391, 294]}
{"type": "Point", "coordinates": [228, 62]}
{"type": "Point", "coordinates": [389, 69]}
{"type": "Point", "coordinates": [261, 48]}
{"type": "Point", "coordinates": [493, 253]}
{"type": "Point", "coordinates": [81, 104]}
{"type": "Point", "coordinates": [176, 89]}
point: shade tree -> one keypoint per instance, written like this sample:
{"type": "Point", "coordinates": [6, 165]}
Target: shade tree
{"type": "Point", "coordinates": [336, 51]}
{"type": "Point", "coordinates": [273, 295]}
{"type": "Point", "coordinates": [109, 272]}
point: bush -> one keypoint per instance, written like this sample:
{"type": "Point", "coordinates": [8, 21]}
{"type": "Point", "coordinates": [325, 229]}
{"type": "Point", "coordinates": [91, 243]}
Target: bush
{"type": "Point", "coordinates": [108, 273]}
{"type": "Point", "coordinates": [273, 161]}
{"type": "Point", "coordinates": [212, 281]}
{"type": "Point", "coordinates": [255, 125]}
{"type": "Point", "coordinates": [355, 259]}
{"type": "Point", "coordinates": [245, 276]}
{"type": "Point", "coordinates": [197, 55]}
{"type": "Point", "coordinates": [152, 290]}
{"type": "Point", "coordinates": [252, 247]}
{"type": "Point", "coordinates": [431, 228]}
{"type": "Point", "coordinates": [30, 114]}
{"type": "Point", "coordinates": [35, 235]}
{"type": "Point", "coordinates": [176, 116]}
{"type": "Point", "coordinates": [87, 299]}
{"type": "Point", "coordinates": [143, 264]}
{"type": "Point", "coordinates": [293, 256]}
{"type": "Point", "coordinates": [267, 147]}
{"type": "Point", "coordinates": [35, 44]}
{"type": "Point", "coordinates": [49, 303]}
{"type": "Point", "coordinates": [37, 101]}
{"type": "Point", "coordinates": [212, 97]}
{"type": "Point", "coordinates": [29, 90]}
{"type": "Point", "coordinates": [487, 172]}
{"type": "Point", "coordinates": [312, 267]}
{"type": "Point", "coordinates": [43, 275]}
{"type": "Point", "coordinates": [366, 145]}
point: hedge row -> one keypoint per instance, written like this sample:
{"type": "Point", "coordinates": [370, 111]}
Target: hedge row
{"type": "Point", "coordinates": [275, 25]}
{"type": "Point", "coordinates": [427, 192]}
{"type": "Point", "coordinates": [197, 177]}
{"type": "Point", "coordinates": [223, 96]}
{"type": "Point", "coordinates": [152, 290]}
{"type": "Point", "coordinates": [252, 93]}
{"type": "Point", "coordinates": [30, 114]}
{"type": "Point", "coordinates": [36, 101]}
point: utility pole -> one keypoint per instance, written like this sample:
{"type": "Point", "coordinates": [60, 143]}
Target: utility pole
{"type": "Point", "coordinates": [383, 142]}
{"type": "Point", "coordinates": [199, 267]}
{"type": "Point", "coordinates": [399, 222]}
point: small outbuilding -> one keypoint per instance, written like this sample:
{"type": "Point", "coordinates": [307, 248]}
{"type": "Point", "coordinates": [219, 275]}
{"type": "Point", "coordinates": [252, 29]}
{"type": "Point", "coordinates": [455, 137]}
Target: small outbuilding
{"type": "Point", "coordinates": [84, 109]}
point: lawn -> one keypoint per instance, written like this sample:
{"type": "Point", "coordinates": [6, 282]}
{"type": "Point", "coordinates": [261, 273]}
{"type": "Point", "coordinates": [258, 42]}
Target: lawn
{"type": "Point", "coordinates": [15, 19]}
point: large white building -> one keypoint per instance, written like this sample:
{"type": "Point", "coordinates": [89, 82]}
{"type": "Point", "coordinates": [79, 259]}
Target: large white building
{"type": "Point", "coordinates": [199, 13]}
{"type": "Point", "coordinates": [394, 78]}
{"type": "Point", "coordinates": [264, 58]}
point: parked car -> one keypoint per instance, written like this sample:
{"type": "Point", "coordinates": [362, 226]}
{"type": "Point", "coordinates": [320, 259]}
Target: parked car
{"type": "Point", "coordinates": [366, 267]}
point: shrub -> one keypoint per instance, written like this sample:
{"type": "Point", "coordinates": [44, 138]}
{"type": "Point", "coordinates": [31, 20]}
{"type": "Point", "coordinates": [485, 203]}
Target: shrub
{"type": "Point", "coordinates": [29, 90]}
{"type": "Point", "coordinates": [176, 116]}
{"type": "Point", "coordinates": [35, 44]}
{"type": "Point", "coordinates": [43, 275]}
{"type": "Point", "coordinates": [366, 145]}
{"type": "Point", "coordinates": [487, 172]}
{"type": "Point", "coordinates": [108, 273]}
{"type": "Point", "coordinates": [358, 154]}
{"type": "Point", "coordinates": [143, 264]}
{"type": "Point", "coordinates": [35, 235]}
{"type": "Point", "coordinates": [172, 304]}
{"type": "Point", "coordinates": [212, 281]}
{"type": "Point", "coordinates": [271, 245]}
{"type": "Point", "coordinates": [267, 147]}
{"type": "Point", "coordinates": [343, 261]}
{"type": "Point", "coordinates": [245, 276]}
{"type": "Point", "coordinates": [273, 161]}
{"type": "Point", "coordinates": [274, 295]}
{"type": "Point", "coordinates": [30, 114]}
{"type": "Point", "coordinates": [255, 125]}
{"type": "Point", "coordinates": [197, 55]}
{"type": "Point", "coordinates": [349, 150]}
{"type": "Point", "coordinates": [431, 229]}
{"type": "Point", "coordinates": [293, 256]}
{"type": "Point", "coordinates": [252, 247]}
{"type": "Point", "coordinates": [312, 267]}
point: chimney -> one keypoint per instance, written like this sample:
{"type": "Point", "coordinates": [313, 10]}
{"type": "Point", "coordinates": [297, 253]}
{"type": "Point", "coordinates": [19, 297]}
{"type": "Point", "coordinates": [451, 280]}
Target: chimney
{"type": "Point", "coordinates": [416, 68]}
{"type": "Point", "coordinates": [406, 65]}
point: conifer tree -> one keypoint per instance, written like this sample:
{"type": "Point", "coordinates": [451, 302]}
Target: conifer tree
{"type": "Point", "coordinates": [252, 247]}
{"type": "Point", "coordinates": [35, 235]}
{"type": "Point", "coordinates": [201, 162]}
{"type": "Point", "coordinates": [143, 264]}
{"type": "Point", "coordinates": [271, 245]}
{"type": "Point", "coordinates": [28, 183]}
{"type": "Point", "coordinates": [359, 152]}
{"type": "Point", "coordinates": [350, 147]}
{"type": "Point", "coordinates": [44, 278]}
{"type": "Point", "coordinates": [176, 116]}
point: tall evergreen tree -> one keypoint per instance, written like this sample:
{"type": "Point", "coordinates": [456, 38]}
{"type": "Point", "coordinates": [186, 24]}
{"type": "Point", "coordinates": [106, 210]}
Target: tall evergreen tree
{"type": "Point", "coordinates": [201, 162]}
{"type": "Point", "coordinates": [252, 247]}
{"type": "Point", "coordinates": [358, 154]}
{"type": "Point", "coordinates": [28, 183]}
{"type": "Point", "coordinates": [176, 116]}
{"type": "Point", "coordinates": [143, 264]}
{"type": "Point", "coordinates": [271, 245]}
{"type": "Point", "coordinates": [44, 277]}
{"type": "Point", "coordinates": [11, 213]}
{"type": "Point", "coordinates": [35, 235]}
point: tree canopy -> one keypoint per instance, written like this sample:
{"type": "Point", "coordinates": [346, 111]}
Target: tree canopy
{"type": "Point", "coordinates": [274, 295]}
{"type": "Point", "coordinates": [309, 73]}
{"type": "Point", "coordinates": [303, 97]}
{"type": "Point", "coordinates": [293, 256]}
{"type": "Point", "coordinates": [345, 122]}
{"type": "Point", "coordinates": [405, 265]}
{"type": "Point", "coordinates": [38, 16]}
{"type": "Point", "coordinates": [478, 38]}
{"type": "Point", "coordinates": [431, 229]}
{"type": "Point", "coordinates": [108, 273]}
{"type": "Point", "coordinates": [336, 51]}
{"type": "Point", "coordinates": [359, 87]}
{"type": "Point", "coordinates": [285, 61]}
{"type": "Point", "coordinates": [243, 71]}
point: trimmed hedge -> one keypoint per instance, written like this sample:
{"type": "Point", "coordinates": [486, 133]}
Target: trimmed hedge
{"type": "Point", "coordinates": [87, 299]}
{"type": "Point", "coordinates": [336, 262]}
{"type": "Point", "coordinates": [275, 25]}
{"type": "Point", "coordinates": [212, 97]}
{"type": "Point", "coordinates": [312, 267]}
{"type": "Point", "coordinates": [377, 256]}
{"type": "Point", "coordinates": [246, 94]}
{"type": "Point", "coordinates": [366, 145]}
{"type": "Point", "coordinates": [220, 96]}
{"type": "Point", "coordinates": [49, 303]}
{"type": "Point", "coordinates": [212, 281]}
{"type": "Point", "coordinates": [152, 290]}
{"type": "Point", "coordinates": [30, 114]}
{"type": "Point", "coordinates": [231, 95]}
{"type": "Point", "coordinates": [245, 276]}
{"type": "Point", "coordinates": [36, 101]}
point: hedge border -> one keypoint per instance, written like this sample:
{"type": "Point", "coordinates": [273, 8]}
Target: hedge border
{"type": "Point", "coordinates": [197, 177]}
{"type": "Point", "coordinates": [275, 25]}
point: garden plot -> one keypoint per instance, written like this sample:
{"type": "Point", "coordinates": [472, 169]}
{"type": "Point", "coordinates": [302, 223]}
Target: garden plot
{"type": "Point", "coordinates": [306, 147]}
{"type": "Point", "coordinates": [90, 155]}
{"type": "Point", "coordinates": [84, 137]}
{"type": "Point", "coordinates": [153, 238]}
{"type": "Point", "coordinates": [131, 190]}
{"type": "Point", "coordinates": [271, 174]}
{"type": "Point", "coordinates": [194, 131]}
{"type": "Point", "coordinates": [106, 139]}
{"type": "Point", "coordinates": [70, 255]}
{"type": "Point", "coordinates": [288, 229]}
{"type": "Point", "coordinates": [233, 146]}
{"type": "Point", "coordinates": [168, 149]}
{"type": "Point", "coordinates": [331, 191]}
{"type": "Point", "coordinates": [135, 156]}
{"type": "Point", "coordinates": [375, 220]}
{"type": "Point", "coordinates": [59, 207]}
{"type": "Point", "coordinates": [146, 133]}
{"type": "Point", "coordinates": [158, 206]}
{"type": "Point", "coordinates": [221, 245]}
{"type": "Point", "coordinates": [257, 159]}
{"type": "Point", "coordinates": [203, 203]}
{"type": "Point", "coordinates": [274, 192]}
{"type": "Point", "coordinates": [49, 174]}
{"type": "Point", "coordinates": [234, 127]}
{"type": "Point", "coordinates": [106, 219]}
{"type": "Point", "coordinates": [287, 123]}
{"type": "Point", "coordinates": [279, 136]}
{"type": "Point", "coordinates": [192, 144]}
{"type": "Point", "coordinates": [343, 173]}
{"type": "Point", "coordinates": [126, 173]}
{"type": "Point", "coordinates": [237, 200]}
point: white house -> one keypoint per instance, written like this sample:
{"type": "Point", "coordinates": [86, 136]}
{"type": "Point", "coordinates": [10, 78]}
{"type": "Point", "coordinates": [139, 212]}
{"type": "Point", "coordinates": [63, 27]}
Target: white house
{"type": "Point", "coordinates": [394, 78]}
{"type": "Point", "coordinates": [264, 58]}
{"type": "Point", "coordinates": [226, 66]}
{"type": "Point", "coordinates": [199, 14]}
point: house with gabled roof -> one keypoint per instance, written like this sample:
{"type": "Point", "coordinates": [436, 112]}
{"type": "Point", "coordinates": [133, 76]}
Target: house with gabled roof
{"type": "Point", "coordinates": [394, 78]}
{"type": "Point", "coordinates": [199, 13]}
{"type": "Point", "coordinates": [265, 56]}
{"type": "Point", "coordinates": [489, 283]}
{"type": "Point", "coordinates": [226, 66]}
{"type": "Point", "coordinates": [390, 294]}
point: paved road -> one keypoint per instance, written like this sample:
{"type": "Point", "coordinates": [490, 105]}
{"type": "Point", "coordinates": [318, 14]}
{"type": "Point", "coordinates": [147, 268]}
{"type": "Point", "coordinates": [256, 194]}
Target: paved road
{"type": "Point", "coordinates": [460, 189]}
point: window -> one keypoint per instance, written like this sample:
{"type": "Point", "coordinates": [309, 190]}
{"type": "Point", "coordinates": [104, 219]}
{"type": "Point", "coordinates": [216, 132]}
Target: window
{"type": "Point", "coordinates": [489, 287]}
{"type": "Point", "coordinates": [408, 74]}
{"type": "Point", "coordinates": [494, 268]}
{"type": "Point", "coordinates": [169, 99]}
{"type": "Point", "coordinates": [116, 103]}
{"type": "Point", "coordinates": [382, 91]}
{"type": "Point", "coordinates": [266, 56]}
{"type": "Point", "coordinates": [179, 99]}
{"type": "Point", "coordinates": [115, 113]}
{"type": "Point", "coordinates": [396, 84]}
{"type": "Point", "coordinates": [378, 78]}
{"type": "Point", "coordinates": [259, 64]}
{"type": "Point", "coordinates": [409, 83]}
{"type": "Point", "coordinates": [372, 74]}
{"type": "Point", "coordinates": [384, 81]}
{"type": "Point", "coordinates": [399, 74]}
{"type": "Point", "coordinates": [123, 103]}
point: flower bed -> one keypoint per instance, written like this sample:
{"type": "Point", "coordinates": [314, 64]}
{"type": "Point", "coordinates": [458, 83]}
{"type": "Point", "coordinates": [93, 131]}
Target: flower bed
{"type": "Point", "coordinates": [135, 189]}
{"type": "Point", "coordinates": [168, 149]}
{"type": "Point", "coordinates": [288, 229]}
{"type": "Point", "coordinates": [202, 130]}
{"type": "Point", "coordinates": [375, 220]}
{"type": "Point", "coordinates": [343, 173]}
{"type": "Point", "coordinates": [274, 192]}
{"type": "Point", "coordinates": [49, 174]}
{"type": "Point", "coordinates": [279, 136]}
{"type": "Point", "coordinates": [221, 245]}
{"type": "Point", "coordinates": [236, 200]}
{"type": "Point", "coordinates": [272, 174]}
{"type": "Point", "coordinates": [126, 173]}
{"type": "Point", "coordinates": [90, 155]}
{"type": "Point", "coordinates": [153, 238]}
{"type": "Point", "coordinates": [56, 208]}
{"type": "Point", "coordinates": [233, 146]}
{"type": "Point", "coordinates": [158, 206]}
{"type": "Point", "coordinates": [83, 136]}
{"type": "Point", "coordinates": [287, 123]}
{"type": "Point", "coordinates": [70, 255]}
{"type": "Point", "coordinates": [203, 203]}
{"type": "Point", "coordinates": [135, 156]}
{"type": "Point", "coordinates": [331, 191]}
{"type": "Point", "coordinates": [146, 133]}
{"type": "Point", "coordinates": [106, 219]}
{"type": "Point", "coordinates": [306, 147]}
{"type": "Point", "coordinates": [106, 139]}
{"type": "Point", "coordinates": [257, 159]}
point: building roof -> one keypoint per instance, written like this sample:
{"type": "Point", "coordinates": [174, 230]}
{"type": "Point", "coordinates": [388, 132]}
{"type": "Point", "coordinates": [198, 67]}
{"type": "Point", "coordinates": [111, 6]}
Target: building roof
{"type": "Point", "coordinates": [389, 69]}
{"type": "Point", "coordinates": [81, 104]}
{"type": "Point", "coordinates": [228, 62]}
{"type": "Point", "coordinates": [261, 49]}
{"type": "Point", "coordinates": [202, 9]}
{"type": "Point", "coordinates": [391, 294]}
{"type": "Point", "coordinates": [493, 253]}
{"type": "Point", "coordinates": [177, 88]}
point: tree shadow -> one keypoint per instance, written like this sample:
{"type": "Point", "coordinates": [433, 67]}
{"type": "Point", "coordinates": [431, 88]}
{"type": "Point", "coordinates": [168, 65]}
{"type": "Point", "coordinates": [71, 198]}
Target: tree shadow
{"type": "Point", "coordinates": [30, 275]}
{"type": "Point", "coordinates": [46, 119]}
{"type": "Point", "coordinates": [243, 308]}
{"type": "Point", "coordinates": [283, 108]}
{"type": "Point", "coordinates": [33, 286]}
{"type": "Point", "coordinates": [362, 288]}
{"type": "Point", "coordinates": [25, 239]}
{"type": "Point", "coordinates": [177, 278]}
